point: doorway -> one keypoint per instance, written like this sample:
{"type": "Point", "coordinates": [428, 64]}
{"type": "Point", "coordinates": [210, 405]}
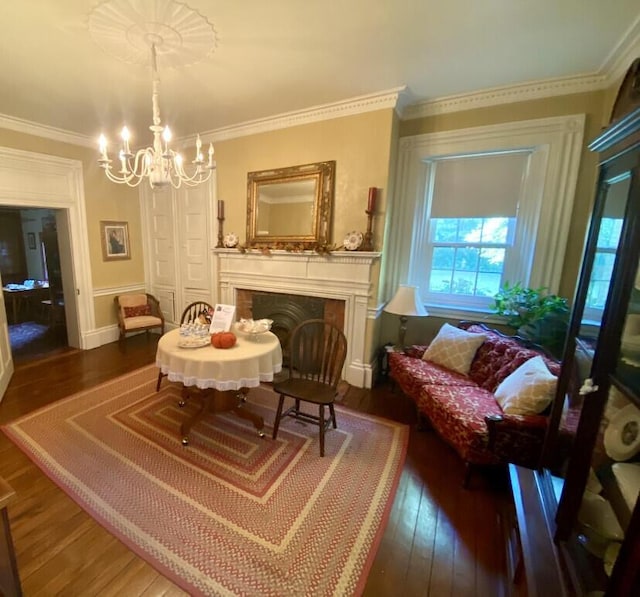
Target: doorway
{"type": "Point", "coordinates": [32, 282]}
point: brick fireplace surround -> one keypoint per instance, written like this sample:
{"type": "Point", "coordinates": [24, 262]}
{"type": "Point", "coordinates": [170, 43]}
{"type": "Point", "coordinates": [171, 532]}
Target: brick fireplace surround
{"type": "Point", "coordinates": [340, 282]}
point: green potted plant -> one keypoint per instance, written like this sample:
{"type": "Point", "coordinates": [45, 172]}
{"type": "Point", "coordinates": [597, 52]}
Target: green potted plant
{"type": "Point", "coordinates": [534, 314]}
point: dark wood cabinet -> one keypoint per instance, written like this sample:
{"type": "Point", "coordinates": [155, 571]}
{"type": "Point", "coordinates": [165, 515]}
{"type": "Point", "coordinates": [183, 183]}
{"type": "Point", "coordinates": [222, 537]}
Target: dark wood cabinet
{"type": "Point", "coordinates": [586, 490]}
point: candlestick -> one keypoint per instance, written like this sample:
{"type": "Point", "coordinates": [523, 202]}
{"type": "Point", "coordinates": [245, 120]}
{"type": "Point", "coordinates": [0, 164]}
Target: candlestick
{"type": "Point", "coordinates": [220, 244]}
{"type": "Point", "coordinates": [220, 209]}
{"type": "Point", "coordinates": [371, 204]}
{"type": "Point", "coordinates": [367, 241]}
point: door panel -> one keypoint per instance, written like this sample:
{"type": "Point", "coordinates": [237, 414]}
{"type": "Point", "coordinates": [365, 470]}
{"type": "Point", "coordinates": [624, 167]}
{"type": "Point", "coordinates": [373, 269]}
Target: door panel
{"type": "Point", "coordinates": [163, 258]}
{"type": "Point", "coordinates": [193, 224]}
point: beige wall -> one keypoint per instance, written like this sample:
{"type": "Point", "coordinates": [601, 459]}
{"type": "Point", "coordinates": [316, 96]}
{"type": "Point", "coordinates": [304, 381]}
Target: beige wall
{"type": "Point", "coordinates": [104, 201]}
{"type": "Point", "coordinates": [359, 144]}
{"type": "Point", "coordinates": [364, 147]}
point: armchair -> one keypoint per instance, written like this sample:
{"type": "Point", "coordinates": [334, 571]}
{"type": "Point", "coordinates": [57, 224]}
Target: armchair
{"type": "Point", "coordinates": [138, 312]}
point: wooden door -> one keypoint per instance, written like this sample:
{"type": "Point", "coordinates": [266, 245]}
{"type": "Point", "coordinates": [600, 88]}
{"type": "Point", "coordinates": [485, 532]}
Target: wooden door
{"type": "Point", "coordinates": [194, 234]}
{"type": "Point", "coordinates": [161, 255]}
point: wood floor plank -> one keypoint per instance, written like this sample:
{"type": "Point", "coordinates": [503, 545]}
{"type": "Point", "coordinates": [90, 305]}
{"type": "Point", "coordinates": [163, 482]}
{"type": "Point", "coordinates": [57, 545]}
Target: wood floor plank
{"type": "Point", "coordinates": [440, 540]}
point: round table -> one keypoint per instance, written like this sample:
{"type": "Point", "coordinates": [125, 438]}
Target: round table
{"type": "Point", "coordinates": [217, 375]}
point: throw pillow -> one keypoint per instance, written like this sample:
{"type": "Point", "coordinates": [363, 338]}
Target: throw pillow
{"type": "Point", "coordinates": [137, 311]}
{"type": "Point", "coordinates": [454, 348]}
{"type": "Point", "coordinates": [528, 390]}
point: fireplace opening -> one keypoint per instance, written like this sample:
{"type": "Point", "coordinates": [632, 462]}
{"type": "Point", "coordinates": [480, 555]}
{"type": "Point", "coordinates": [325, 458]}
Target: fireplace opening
{"type": "Point", "coordinates": [287, 311]}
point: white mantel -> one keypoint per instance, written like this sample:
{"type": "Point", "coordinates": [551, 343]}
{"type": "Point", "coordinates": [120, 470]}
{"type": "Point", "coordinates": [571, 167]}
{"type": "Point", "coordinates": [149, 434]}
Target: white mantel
{"type": "Point", "coordinates": [340, 275]}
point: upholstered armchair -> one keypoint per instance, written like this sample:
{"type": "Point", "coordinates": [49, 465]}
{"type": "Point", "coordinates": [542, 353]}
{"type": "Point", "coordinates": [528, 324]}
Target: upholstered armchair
{"type": "Point", "coordinates": [138, 312]}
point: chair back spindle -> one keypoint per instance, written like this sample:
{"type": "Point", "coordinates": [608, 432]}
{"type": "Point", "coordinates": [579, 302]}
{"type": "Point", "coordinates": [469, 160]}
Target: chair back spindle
{"type": "Point", "coordinates": [317, 352]}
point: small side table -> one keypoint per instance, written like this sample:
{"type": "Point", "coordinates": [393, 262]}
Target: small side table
{"type": "Point", "coordinates": [383, 355]}
{"type": "Point", "coordinates": [9, 578]}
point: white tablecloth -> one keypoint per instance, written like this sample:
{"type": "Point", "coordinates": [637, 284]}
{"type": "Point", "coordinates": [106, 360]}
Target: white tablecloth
{"type": "Point", "coordinates": [245, 365]}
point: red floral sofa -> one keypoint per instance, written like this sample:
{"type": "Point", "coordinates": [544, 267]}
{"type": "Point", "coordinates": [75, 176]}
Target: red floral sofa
{"type": "Point", "coordinates": [463, 409]}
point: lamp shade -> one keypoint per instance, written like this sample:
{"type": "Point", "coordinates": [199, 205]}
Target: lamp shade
{"type": "Point", "coordinates": [406, 302]}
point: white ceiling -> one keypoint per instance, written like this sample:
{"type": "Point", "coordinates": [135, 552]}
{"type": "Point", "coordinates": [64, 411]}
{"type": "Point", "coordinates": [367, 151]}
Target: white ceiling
{"type": "Point", "coordinates": [279, 56]}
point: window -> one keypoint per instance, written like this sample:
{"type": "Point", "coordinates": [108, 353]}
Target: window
{"type": "Point", "coordinates": [472, 226]}
{"type": "Point", "coordinates": [476, 207]}
{"type": "Point", "coordinates": [468, 255]}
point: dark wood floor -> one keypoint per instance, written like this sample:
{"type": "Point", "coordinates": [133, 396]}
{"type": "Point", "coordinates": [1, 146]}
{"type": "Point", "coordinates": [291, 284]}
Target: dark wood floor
{"type": "Point", "coordinates": [441, 539]}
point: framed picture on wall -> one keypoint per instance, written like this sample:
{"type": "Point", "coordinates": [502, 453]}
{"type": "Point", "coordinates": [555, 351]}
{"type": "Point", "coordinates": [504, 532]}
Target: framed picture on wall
{"type": "Point", "coordinates": [31, 238]}
{"type": "Point", "coordinates": [115, 240]}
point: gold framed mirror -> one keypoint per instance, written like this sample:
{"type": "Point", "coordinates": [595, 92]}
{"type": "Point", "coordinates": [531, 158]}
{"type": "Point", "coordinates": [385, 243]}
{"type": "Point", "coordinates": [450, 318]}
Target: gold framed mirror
{"type": "Point", "coordinates": [290, 205]}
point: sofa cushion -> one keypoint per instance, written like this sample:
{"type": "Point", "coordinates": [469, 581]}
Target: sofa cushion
{"type": "Point", "coordinates": [457, 414]}
{"type": "Point", "coordinates": [498, 357]}
{"type": "Point", "coordinates": [411, 374]}
{"type": "Point", "coordinates": [528, 390]}
{"type": "Point", "coordinates": [454, 348]}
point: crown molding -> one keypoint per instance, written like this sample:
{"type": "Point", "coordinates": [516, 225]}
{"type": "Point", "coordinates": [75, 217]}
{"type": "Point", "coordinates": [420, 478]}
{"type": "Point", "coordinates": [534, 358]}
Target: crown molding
{"type": "Point", "coordinates": [612, 69]}
{"type": "Point", "coordinates": [349, 107]}
{"type": "Point", "coordinates": [48, 132]}
{"type": "Point", "coordinates": [615, 65]}
{"type": "Point", "coordinates": [506, 95]}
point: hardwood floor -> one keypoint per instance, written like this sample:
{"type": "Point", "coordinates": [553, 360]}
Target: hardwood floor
{"type": "Point", "coordinates": [441, 539]}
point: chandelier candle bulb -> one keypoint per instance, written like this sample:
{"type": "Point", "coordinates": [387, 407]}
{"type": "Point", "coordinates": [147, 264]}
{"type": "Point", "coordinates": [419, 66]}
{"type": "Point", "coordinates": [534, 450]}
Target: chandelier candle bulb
{"type": "Point", "coordinates": [371, 205]}
{"type": "Point", "coordinates": [103, 148]}
{"type": "Point", "coordinates": [125, 140]}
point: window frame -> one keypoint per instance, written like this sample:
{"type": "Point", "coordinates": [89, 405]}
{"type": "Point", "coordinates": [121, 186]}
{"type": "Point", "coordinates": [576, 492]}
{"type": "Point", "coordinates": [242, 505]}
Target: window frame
{"type": "Point", "coordinates": [462, 300]}
{"type": "Point", "coordinates": [555, 144]}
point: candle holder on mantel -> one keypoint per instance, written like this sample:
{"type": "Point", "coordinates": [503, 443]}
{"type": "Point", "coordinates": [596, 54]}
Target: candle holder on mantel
{"type": "Point", "coordinates": [220, 244]}
{"type": "Point", "coordinates": [367, 241]}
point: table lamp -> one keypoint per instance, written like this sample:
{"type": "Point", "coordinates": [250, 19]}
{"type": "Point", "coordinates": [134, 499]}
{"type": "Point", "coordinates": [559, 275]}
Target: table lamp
{"type": "Point", "coordinates": [405, 303]}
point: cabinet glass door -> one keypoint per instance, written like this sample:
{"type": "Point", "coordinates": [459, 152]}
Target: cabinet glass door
{"type": "Point", "coordinates": [593, 514]}
{"type": "Point", "coordinates": [585, 325]}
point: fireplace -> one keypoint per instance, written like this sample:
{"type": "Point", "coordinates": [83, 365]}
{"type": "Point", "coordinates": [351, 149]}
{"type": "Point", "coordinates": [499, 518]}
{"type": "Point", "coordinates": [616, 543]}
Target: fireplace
{"type": "Point", "coordinates": [287, 311]}
{"type": "Point", "coordinates": [290, 287]}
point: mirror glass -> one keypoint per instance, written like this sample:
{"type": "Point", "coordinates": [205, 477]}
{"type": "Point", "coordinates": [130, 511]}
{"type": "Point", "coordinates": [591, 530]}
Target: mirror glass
{"type": "Point", "coordinates": [290, 205]}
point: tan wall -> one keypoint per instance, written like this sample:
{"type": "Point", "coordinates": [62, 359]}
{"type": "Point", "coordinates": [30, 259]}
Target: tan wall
{"type": "Point", "coordinates": [104, 200]}
{"type": "Point", "coordinates": [359, 145]}
{"type": "Point", "coordinates": [363, 148]}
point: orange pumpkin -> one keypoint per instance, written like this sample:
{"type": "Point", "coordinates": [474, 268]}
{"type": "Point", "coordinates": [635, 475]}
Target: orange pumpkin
{"type": "Point", "coordinates": [223, 339]}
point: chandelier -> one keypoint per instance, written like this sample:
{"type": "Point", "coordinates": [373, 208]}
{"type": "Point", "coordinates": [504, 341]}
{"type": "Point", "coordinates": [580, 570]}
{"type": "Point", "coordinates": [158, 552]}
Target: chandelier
{"type": "Point", "coordinates": [159, 164]}
{"type": "Point", "coordinates": [128, 29]}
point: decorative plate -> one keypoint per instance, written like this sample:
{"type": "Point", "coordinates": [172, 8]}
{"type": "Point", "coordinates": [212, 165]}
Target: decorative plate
{"type": "Point", "coordinates": [194, 342]}
{"type": "Point", "coordinates": [230, 240]}
{"type": "Point", "coordinates": [622, 435]}
{"type": "Point", "coordinates": [352, 241]}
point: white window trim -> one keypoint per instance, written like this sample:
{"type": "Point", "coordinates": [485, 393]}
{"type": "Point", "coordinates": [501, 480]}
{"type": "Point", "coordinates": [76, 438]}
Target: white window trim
{"type": "Point", "coordinates": [556, 144]}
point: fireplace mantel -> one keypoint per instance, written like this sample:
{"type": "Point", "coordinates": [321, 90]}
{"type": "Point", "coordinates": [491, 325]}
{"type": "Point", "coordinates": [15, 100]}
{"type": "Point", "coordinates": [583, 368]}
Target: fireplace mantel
{"type": "Point", "coordinates": [341, 275]}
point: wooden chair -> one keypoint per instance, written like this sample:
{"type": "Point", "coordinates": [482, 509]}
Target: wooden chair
{"type": "Point", "coordinates": [194, 310]}
{"type": "Point", "coordinates": [189, 315]}
{"type": "Point", "coordinates": [138, 312]}
{"type": "Point", "coordinates": [317, 351]}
